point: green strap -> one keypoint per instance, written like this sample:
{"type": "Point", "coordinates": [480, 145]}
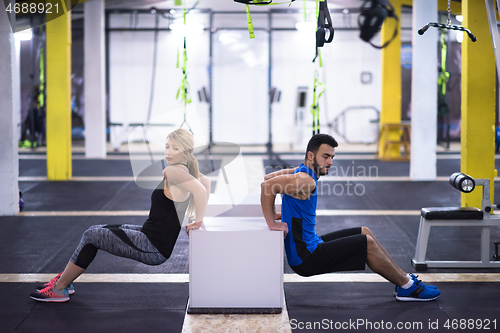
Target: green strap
{"type": "Point", "coordinates": [315, 103]}
{"type": "Point", "coordinates": [305, 10]}
{"type": "Point", "coordinates": [177, 64]}
{"type": "Point", "coordinates": [444, 76]}
{"type": "Point", "coordinates": [41, 96]}
{"type": "Point", "coordinates": [251, 31]}
{"type": "Point", "coordinates": [183, 91]}
{"type": "Point", "coordinates": [317, 84]}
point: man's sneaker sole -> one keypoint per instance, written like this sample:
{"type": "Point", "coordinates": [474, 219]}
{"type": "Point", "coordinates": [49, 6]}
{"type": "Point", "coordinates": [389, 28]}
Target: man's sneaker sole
{"type": "Point", "coordinates": [57, 299]}
{"type": "Point", "coordinates": [414, 299]}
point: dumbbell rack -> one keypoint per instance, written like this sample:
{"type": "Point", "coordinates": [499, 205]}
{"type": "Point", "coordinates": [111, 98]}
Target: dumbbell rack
{"type": "Point", "coordinates": [458, 216]}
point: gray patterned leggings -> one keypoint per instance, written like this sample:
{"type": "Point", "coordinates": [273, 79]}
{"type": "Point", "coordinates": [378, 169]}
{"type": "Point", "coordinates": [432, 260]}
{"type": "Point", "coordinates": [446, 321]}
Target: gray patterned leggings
{"type": "Point", "coordinates": [125, 240]}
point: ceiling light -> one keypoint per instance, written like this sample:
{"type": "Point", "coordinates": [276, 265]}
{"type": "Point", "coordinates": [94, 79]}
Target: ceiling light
{"type": "Point", "coordinates": [189, 29]}
{"type": "Point", "coordinates": [306, 26]}
{"type": "Point", "coordinates": [23, 35]}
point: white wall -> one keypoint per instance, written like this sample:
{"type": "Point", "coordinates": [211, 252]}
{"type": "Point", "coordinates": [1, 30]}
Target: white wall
{"type": "Point", "coordinates": [343, 62]}
{"type": "Point", "coordinates": [131, 66]}
{"type": "Point", "coordinates": [9, 117]}
{"type": "Point", "coordinates": [240, 77]}
{"type": "Point", "coordinates": [240, 83]}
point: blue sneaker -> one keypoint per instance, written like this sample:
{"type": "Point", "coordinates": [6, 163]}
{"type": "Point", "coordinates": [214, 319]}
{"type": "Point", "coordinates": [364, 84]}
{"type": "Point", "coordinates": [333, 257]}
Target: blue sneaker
{"type": "Point", "coordinates": [418, 292]}
{"type": "Point", "coordinates": [414, 278]}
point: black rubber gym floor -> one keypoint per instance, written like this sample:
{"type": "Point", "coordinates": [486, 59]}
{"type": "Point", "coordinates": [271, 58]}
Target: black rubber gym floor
{"type": "Point", "coordinates": [96, 167]}
{"type": "Point", "coordinates": [370, 307]}
{"type": "Point", "coordinates": [97, 307]}
{"type": "Point", "coordinates": [44, 245]}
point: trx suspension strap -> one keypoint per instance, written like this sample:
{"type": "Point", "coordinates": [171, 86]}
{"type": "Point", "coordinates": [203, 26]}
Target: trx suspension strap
{"type": "Point", "coordinates": [183, 90]}
{"type": "Point", "coordinates": [324, 32]}
{"type": "Point", "coordinates": [324, 25]}
{"type": "Point", "coordinates": [372, 17]}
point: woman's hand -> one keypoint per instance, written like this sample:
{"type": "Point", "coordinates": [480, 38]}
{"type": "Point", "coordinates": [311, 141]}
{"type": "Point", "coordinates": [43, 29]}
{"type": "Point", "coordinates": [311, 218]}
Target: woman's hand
{"type": "Point", "coordinates": [193, 226]}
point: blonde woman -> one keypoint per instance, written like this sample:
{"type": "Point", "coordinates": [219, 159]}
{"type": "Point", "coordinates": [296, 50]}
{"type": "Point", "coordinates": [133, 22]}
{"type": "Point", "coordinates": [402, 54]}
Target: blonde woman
{"type": "Point", "coordinates": [182, 190]}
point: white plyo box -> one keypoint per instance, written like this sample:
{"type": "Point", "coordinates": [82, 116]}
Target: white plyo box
{"type": "Point", "coordinates": [235, 263]}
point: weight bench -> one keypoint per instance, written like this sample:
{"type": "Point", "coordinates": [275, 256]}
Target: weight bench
{"type": "Point", "coordinates": [459, 216]}
{"type": "Point", "coordinates": [235, 267]}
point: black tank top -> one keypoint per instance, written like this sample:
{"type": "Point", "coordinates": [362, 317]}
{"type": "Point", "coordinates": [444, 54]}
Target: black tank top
{"type": "Point", "coordinates": [164, 223]}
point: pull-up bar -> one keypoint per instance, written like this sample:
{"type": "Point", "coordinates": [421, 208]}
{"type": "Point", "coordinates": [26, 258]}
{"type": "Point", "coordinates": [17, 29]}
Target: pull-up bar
{"type": "Point", "coordinates": [449, 27]}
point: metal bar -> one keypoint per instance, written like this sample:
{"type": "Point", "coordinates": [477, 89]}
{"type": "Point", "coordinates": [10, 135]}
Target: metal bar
{"type": "Point", "coordinates": [210, 80]}
{"type": "Point", "coordinates": [490, 10]}
{"type": "Point", "coordinates": [140, 29]}
{"type": "Point", "coordinates": [461, 264]}
{"type": "Point", "coordinates": [485, 244]}
{"type": "Point", "coordinates": [269, 85]}
{"type": "Point", "coordinates": [106, 59]}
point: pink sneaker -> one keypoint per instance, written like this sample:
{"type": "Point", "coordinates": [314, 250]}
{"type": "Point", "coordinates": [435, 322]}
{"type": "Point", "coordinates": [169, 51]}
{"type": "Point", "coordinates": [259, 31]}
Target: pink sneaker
{"type": "Point", "coordinates": [52, 283]}
{"type": "Point", "coordinates": [50, 294]}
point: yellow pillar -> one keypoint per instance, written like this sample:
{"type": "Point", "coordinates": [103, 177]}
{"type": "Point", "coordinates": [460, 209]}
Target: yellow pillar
{"type": "Point", "coordinates": [391, 81]}
{"type": "Point", "coordinates": [59, 96]}
{"type": "Point", "coordinates": [478, 100]}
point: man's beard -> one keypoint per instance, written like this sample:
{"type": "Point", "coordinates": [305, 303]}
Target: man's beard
{"type": "Point", "coordinates": [320, 171]}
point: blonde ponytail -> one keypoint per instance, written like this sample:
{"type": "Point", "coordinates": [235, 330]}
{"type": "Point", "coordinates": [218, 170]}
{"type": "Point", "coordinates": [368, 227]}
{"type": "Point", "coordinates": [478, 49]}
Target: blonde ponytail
{"type": "Point", "coordinates": [184, 140]}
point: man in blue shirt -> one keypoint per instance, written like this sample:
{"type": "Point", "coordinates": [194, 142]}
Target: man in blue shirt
{"type": "Point", "coordinates": [344, 250]}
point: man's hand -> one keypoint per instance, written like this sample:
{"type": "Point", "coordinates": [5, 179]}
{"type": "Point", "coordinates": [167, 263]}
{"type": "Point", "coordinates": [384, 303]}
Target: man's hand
{"type": "Point", "coordinates": [278, 226]}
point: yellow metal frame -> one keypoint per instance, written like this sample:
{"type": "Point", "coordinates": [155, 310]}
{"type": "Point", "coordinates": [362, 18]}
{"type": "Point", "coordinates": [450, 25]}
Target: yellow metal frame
{"type": "Point", "coordinates": [478, 101]}
{"type": "Point", "coordinates": [59, 96]}
{"type": "Point", "coordinates": [391, 84]}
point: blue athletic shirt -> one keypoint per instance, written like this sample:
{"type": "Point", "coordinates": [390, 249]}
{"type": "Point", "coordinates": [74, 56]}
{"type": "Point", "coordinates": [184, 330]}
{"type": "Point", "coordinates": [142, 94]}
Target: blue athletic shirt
{"type": "Point", "coordinates": [300, 215]}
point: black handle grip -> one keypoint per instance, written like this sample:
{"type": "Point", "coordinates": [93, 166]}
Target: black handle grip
{"type": "Point", "coordinates": [471, 36]}
{"type": "Point", "coordinates": [423, 29]}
